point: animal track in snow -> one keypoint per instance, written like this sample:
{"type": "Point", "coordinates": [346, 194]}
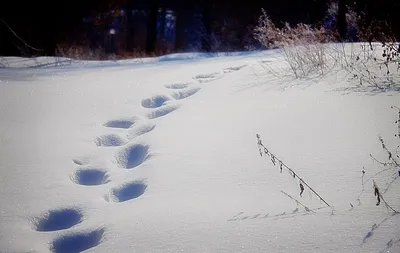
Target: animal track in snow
{"type": "Point", "coordinates": [119, 123]}
{"type": "Point", "coordinates": [132, 156]}
{"type": "Point", "coordinates": [155, 101]}
{"type": "Point", "coordinates": [161, 111]}
{"type": "Point", "coordinates": [209, 75]}
{"type": "Point", "coordinates": [233, 69]}
{"type": "Point", "coordinates": [109, 140]}
{"type": "Point", "coordinates": [185, 93]}
{"type": "Point", "coordinates": [140, 130]}
{"type": "Point", "coordinates": [205, 78]}
{"type": "Point", "coordinates": [77, 242]}
{"type": "Point", "coordinates": [90, 176]}
{"type": "Point", "coordinates": [58, 219]}
{"type": "Point", "coordinates": [126, 192]}
{"type": "Point", "coordinates": [176, 86]}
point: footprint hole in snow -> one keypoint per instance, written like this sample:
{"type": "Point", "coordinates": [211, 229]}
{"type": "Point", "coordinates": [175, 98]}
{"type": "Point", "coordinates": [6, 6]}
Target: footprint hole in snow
{"type": "Point", "coordinates": [182, 94]}
{"type": "Point", "coordinates": [77, 242]}
{"type": "Point", "coordinates": [155, 101]}
{"type": "Point", "coordinates": [58, 219]}
{"type": "Point", "coordinates": [119, 123]}
{"type": "Point", "coordinates": [132, 156]}
{"type": "Point", "coordinates": [126, 192]}
{"type": "Point", "coordinates": [90, 176]}
{"type": "Point", "coordinates": [205, 78]}
{"type": "Point", "coordinates": [208, 75]}
{"type": "Point", "coordinates": [233, 69]}
{"type": "Point", "coordinates": [177, 86]}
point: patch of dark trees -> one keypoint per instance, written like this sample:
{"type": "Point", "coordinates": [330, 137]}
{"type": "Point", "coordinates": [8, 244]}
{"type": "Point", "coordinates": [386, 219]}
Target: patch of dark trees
{"type": "Point", "coordinates": [144, 24]}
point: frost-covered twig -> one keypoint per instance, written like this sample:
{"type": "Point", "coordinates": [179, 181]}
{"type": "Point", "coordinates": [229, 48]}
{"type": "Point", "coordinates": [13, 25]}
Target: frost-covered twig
{"type": "Point", "coordinates": [380, 197]}
{"type": "Point", "coordinates": [397, 121]}
{"type": "Point", "coordinates": [388, 166]}
{"type": "Point", "coordinates": [15, 34]}
{"type": "Point", "coordinates": [282, 165]}
{"type": "Point", "coordinates": [390, 154]}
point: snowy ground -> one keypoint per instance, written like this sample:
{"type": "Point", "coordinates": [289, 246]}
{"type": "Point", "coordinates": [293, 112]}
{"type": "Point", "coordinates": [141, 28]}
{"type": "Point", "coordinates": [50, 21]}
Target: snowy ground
{"type": "Point", "coordinates": [161, 155]}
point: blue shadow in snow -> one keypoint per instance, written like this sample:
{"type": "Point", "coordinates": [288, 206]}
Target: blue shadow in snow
{"type": "Point", "coordinates": [129, 191]}
{"type": "Point", "coordinates": [119, 123]}
{"type": "Point", "coordinates": [132, 156]}
{"type": "Point", "coordinates": [77, 242]}
{"type": "Point", "coordinates": [155, 101]}
{"type": "Point", "coordinates": [91, 177]}
{"type": "Point", "coordinates": [59, 219]}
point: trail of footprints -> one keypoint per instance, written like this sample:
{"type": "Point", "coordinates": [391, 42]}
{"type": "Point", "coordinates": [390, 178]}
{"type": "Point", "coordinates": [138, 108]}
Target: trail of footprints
{"type": "Point", "coordinates": [130, 156]}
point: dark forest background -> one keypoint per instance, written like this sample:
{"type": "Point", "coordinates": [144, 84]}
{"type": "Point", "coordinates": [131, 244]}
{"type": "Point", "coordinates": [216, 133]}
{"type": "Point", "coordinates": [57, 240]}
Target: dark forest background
{"type": "Point", "coordinates": [127, 28]}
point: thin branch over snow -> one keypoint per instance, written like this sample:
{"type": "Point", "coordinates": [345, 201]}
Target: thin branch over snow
{"type": "Point", "coordinates": [282, 165]}
{"type": "Point", "coordinates": [15, 34]}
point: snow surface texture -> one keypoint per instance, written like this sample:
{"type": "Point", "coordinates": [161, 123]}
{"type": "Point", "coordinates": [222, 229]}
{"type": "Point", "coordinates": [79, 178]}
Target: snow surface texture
{"type": "Point", "coordinates": [160, 155]}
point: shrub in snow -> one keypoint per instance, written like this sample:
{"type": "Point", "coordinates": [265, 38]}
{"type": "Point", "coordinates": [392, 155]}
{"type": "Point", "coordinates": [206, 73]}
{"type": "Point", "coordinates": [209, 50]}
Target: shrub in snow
{"type": "Point", "coordinates": [375, 61]}
{"type": "Point", "coordinates": [372, 64]}
{"type": "Point", "coordinates": [302, 45]}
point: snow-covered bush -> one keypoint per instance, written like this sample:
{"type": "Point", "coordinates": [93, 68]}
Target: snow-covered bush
{"type": "Point", "coordinates": [302, 45]}
{"type": "Point", "coordinates": [79, 52]}
{"type": "Point", "coordinates": [374, 61]}
{"type": "Point", "coordinates": [373, 64]}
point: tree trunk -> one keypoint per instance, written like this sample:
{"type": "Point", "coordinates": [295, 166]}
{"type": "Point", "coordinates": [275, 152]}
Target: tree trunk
{"type": "Point", "coordinates": [341, 20]}
{"type": "Point", "coordinates": [151, 38]}
{"type": "Point", "coordinates": [163, 14]}
{"type": "Point", "coordinates": [180, 28]}
{"type": "Point", "coordinates": [207, 23]}
{"type": "Point", "coordinates": [129, 26]}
